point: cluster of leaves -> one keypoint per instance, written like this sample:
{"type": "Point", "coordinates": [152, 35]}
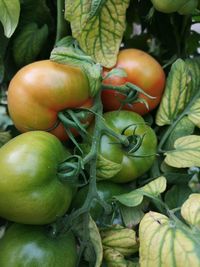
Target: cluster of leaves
{"type": "Point", "coordinates": [100, 29]}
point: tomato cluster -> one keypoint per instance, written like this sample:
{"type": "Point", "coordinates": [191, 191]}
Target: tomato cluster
{"type": "Point", "coordinates": [32, 193]}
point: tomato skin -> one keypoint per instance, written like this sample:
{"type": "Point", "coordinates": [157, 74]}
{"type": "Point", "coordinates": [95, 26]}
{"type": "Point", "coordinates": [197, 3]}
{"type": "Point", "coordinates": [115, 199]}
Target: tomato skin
{"type": "Point", "coordinates": [169, 6]}
{"type": "Point", "coordinates": [30, 191]}
{"type": "Point", "coordinates": [106, 191]}
{"type": "Point", "coordinates": [136, 164]}
{"type": "Point", "coordinates": [30, 246]}
{"type": "Point", "coordinates": [40, 90]}
{"type": "Point", "coordinates": [143, 71]}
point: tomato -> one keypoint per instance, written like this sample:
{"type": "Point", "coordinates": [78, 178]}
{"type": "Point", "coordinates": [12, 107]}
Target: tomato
{"type": "Point", "coordinates": [106, 190]}
{"type": "Point", "coordinates": [30, 246]}
{"type": "Point", "coordinates": [136, 158]}
{"type": "Point", "coordinates": [182, 6]}
{"type": "Point", "coordinates": [30, 191]}
{"type": "Point", "coordinates": [143, 71]}
{"type": "Point", "coordinates": [40, 90]}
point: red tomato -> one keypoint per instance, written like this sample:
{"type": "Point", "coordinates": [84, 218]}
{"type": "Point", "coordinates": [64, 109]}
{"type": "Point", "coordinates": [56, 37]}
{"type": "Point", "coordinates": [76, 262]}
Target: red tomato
{"type": "Point", "coordinates": [142, 70]}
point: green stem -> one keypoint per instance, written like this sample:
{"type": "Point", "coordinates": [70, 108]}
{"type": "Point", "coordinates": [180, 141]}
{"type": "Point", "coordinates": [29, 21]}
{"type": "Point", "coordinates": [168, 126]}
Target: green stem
{"type": "Point", "coordinates": [62, 25]}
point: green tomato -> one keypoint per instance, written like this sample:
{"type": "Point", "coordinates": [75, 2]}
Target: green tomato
{"type": "Point", "coordinates": [135, 159]}
{"type": "Point", "coordinates": [31, 246]}
{"type": "Point", "coordinates": [106, 191]}
{"type": "Point", "coordinates": [30, 191]}
{"type": "Point", "coordinates": [183, 7]}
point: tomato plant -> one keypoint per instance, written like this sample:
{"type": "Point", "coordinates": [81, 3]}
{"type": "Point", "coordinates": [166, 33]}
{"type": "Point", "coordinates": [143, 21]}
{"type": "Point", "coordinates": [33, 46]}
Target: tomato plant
{"type": "Point", "coordinates": [135, 158]}
{"type": "Point", "coordinates": [40, 90]}
{"type": "Point", "coordinates": [27, 246]}
{"type": "Point", "coordinates": [143, 71]}
{"type": "Point", "coordinates": [106, 190]}
{"type": "Point", "coordinates": [30, 190]}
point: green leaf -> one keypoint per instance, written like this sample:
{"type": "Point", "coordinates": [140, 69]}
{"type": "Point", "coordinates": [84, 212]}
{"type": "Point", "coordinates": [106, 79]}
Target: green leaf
{"type": "Point", "coordinates": [177, 195]}
{"type": "Point", "coordinates": [194, 113]}
{"type": "Point", "coordinates": [190, 210]}
{"type": "Point", "coordinates": [186, 153]}
{"type": "Point", "coordinates": [106, 169]}
{"type": "Point", "coordinates": [2, 69]}
{"type": "Point", "coordinates": [165, 242]}
{"type": "Point", "coordinates": [131, 215]}
{"type": "Point", "coordinates": [9, 15]}
{"type": "Point", "coordinates": [28, 43]}
{"type": "Point", "coordinates": [183, 127]}
{"type": "Point", "coordinates": [175, 95]}
{"type": "Point", "coordinates": [95, 239]}
{"type": "Point", "coordinates": [67, 52]}
{"type": "Point", "coordinates": [98, 26]}
{"type": "Point", "coordinates": [135, 197]}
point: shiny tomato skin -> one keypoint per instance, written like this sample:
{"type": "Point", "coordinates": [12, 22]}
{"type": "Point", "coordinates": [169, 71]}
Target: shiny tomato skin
{"type": "Point", "coordinates": [31, 246]}
{"type": "Point", "coordinates": [140, 160]}
{"type": "Point", "coordinates": [142, 70]}
{"type": "Point", "coordinates": [40, 90]}
{"type": "Point", "coordinates": [30, 190]}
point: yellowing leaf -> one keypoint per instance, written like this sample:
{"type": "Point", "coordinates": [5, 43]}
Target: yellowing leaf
{"type": "Point", "coordinates": [95, 239]}
{"type": "Point", "coordinates": [166, 243]}
{"type": "Point", "coordinates": [190, 210]}
{"type": "Point", "coordinates": [9, 15]}
{"type": "Point", "coordinates": [156, 187]}
{"type": "Point", "coordinates": [98, 26]}
{"type": "Point", "coordinates": [194, 113]}
{"type": "Point", "coordinates": [186, 153]}
{"type": "Point", "coordinates": [175, 95]}
{"type": "Point", "coordinates": [106, 169]}
{"type": "Point", "coordinates": [135, 197]}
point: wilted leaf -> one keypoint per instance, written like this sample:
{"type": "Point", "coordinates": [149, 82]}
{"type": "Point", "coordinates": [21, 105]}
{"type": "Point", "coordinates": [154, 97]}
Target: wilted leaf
{"type": "Point", "coordinates": [190, 210]}
{"type": "Point", "coordinates": [135, 197]}
{"type": "Point", "coordinates": [95, 239]}
{"type": "Point", "coordinates": [28, 43]}
{"type": "Point", "coordinates": [167, 243]}
{"type": "Point", "coordinates": [186, 153]}
{"type": "Point", "coordinates": [98, 26]}
{"type": "Point", "coordinates": [9, 15]}
{"type": "Point", "coordinates": [106, 169]}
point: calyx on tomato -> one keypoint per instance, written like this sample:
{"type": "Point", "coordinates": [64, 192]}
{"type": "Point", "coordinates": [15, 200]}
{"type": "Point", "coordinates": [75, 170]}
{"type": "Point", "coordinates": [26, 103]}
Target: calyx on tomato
{"type": "Point", "coordinates": [135, 158]}
{"type": "Point", "coordinates": [142, 71]}
{"type": "Point", "coordinates": [29, 246]}
{"type": "Point", "coordinates": [40, 90]}
{"type": "Point", "coordinates": [30, 189]}
{"type": "Point", "coordinates": [183, 7]}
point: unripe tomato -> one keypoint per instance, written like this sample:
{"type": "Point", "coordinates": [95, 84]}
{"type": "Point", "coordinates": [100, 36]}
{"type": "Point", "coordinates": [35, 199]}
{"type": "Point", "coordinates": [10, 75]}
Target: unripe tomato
{"type": "Point", "coordinates": [40, 90]}
{"type": "Point", "coordinates": [31, 246]}
{"type": "Point", "coordinates": [142, 70]}
{"type": "Point", "coordinates": [30, 190]}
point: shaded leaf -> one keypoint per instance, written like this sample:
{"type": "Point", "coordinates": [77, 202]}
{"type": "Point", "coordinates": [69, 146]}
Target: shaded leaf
{"type": "Point", "coordinates": [98, 26]}
{"type": "Point", "coordinates": [186, 153]}
{"type": "Point", "coordinates": [95, 239]}
{"type": "Point", "coordinates": [190, 210]}
{"type": "Point", "coordinates": [9, 15]}
{"type": "Point", "coordinates": [164, 243]}
{"type": "Point", "coordinates": [131, 215]}
{"type": "Point", "coordinates": [28, 43]}
{"type": "Point", "coordinates": [177, 195]}
{"type": "Point", "coordinates": [184, 127]}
